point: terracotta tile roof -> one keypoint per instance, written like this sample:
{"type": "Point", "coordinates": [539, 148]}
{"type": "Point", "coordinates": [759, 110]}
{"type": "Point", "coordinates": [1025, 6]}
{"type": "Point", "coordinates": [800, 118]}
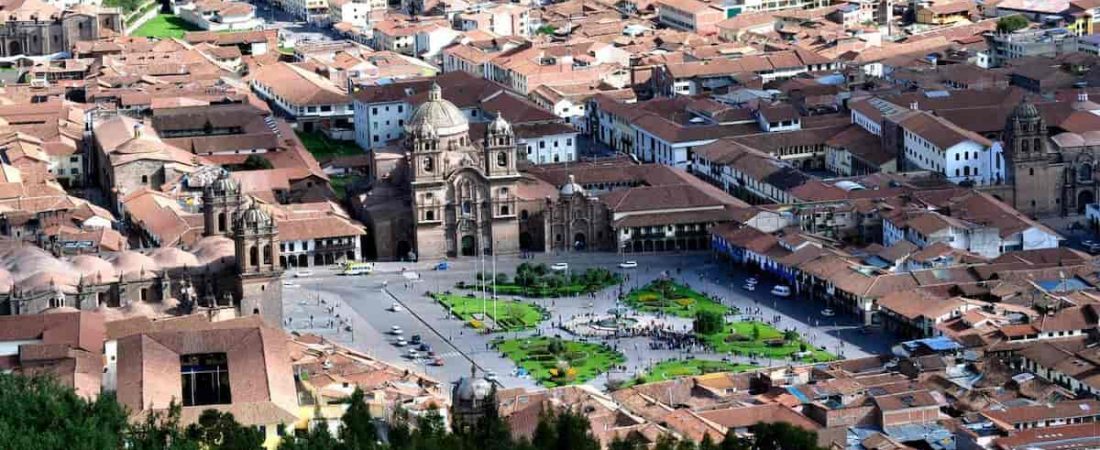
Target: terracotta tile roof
{"type": "Point", "coordinates": [748, 416]}
{"type": "Point", "coordinates": [298, 86]}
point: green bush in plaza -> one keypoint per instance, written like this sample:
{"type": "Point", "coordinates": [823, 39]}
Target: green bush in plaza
{"type": "Point", "coordinates": [761, 339]}
{"type": "Point", "coordinates": [674, 299]}
{"type": "Point", "coordinates": [557, 362]}
{"type": "Point", "coordinates": [537, 280]}
{"type": "Point", "coordinates": [708, 322]}
{"type": "Point", "coordinates": [509, 315]}
{"type": "Point", "coordinates": [676, 368]}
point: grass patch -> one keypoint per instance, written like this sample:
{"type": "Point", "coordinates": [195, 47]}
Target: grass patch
{"type": "Point", "coordinates": [340, 183]}
{"type": "Point", "coordinates": [673, 299]}
{"type": "Point", "coordinates": [758, 338]}
{"type": "Point", "coordinates": [556, 362]}
{"type": "Point", "coordinates": [676, 368]}
{"type": "Point", "coordinates": [510, 315]}
{"type": "Point", "coordinates": [538, 281]}
{"type": "Point", "coordinates": [322, 147]}
{"type": "Point", "coordinates": [165, 26]}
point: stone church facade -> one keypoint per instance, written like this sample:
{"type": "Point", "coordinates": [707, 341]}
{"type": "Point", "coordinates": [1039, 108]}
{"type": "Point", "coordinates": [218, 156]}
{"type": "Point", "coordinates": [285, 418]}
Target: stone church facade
{"type": "Point", "coordinates": [461, 195]}
{"type": "Point", "coordinates": [235, 267]}
{"type": "Point", "coordinates": [1047, 176]}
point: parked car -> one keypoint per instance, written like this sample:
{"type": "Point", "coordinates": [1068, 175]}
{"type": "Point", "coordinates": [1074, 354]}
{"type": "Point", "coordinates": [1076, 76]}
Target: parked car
{"type": "Point", "coordinates": [413, 354]}
{"type": "Point", "coordinates": [750, 286]}
{"type": "Point", "coordinates": [395, 307]}
{"type": "Point", "coordinates": [490, 376]}
{"type": "Point", "coordinates": [424, 347]}
{"type": "Point", "coordinates": [290, 284]}
{"type": "Point", "coordinates": [559, 266]}
{"type": "Point", "coordinates": [396, 330]}
{"type": "Point", "coordinates": [1094, 248]}
{"type": "Point", "coordinates": [781, 291]}
{"type": "Point", "coordinates": [416, 339]}
{"type": "Point", "coordinates": [303, 273]}
{"type": "Point", "coordinates": [828, 312]}
{"type": "Point", "coordinates": [437, 361]}
{"type": "Point", "coordinates": [628, 265]}
{"type": "Point", "coordinates": [751, 280]}
{"type": "Point", "coordinates": [442, 266]}
{"type": "Point", "coordinates": [400, 342]}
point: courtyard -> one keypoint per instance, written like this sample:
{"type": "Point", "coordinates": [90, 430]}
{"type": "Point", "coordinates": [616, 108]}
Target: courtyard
{"type": "Point", "coordinates": [485, 314]}
{"type": "Point", "coordinates": [757, 339]}
{"type": "Point", "coordinates": [672, 298]}
{"type": "Point", "coordinates": [558, 362]}
{"type": "Point", "coordinates": [676, 368]}
{"type": "Point", "coordinates": [165, 26]}
{"type": "Point", "coordinates": [541, 281]}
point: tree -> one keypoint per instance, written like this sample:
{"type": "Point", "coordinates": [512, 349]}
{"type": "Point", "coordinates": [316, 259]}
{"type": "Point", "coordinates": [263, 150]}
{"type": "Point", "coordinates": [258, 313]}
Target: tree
{"type": "Point", "coordinates": [256, 162]}
{"type": "Point", "coordinates": [707, 443]}
{"type": "Point", "coordinates": [572, 433]}
{"type": "Point", "coordinates": [782, 435]}
{"type": "Point", "coordinates": [708, 322]}
{"type": "Point", "coordinates": [216, 429]}
{"type": "Point", "coordinates": [732, 442]}
{"type": "Point", "coordinates": [318, 438]}
{"type": "Point", "coordinates": [358, 430]}
{"type": "Point", "coordinates": [755, 332]}
{"type": "Point", "coordinates": [160, 431]}
{"type": "Point", "coordinates": [1011, 23]}
{"type": "Point", "coordinates": [39, 413]}
{"type": "Point", "coordinates": [790, 335]}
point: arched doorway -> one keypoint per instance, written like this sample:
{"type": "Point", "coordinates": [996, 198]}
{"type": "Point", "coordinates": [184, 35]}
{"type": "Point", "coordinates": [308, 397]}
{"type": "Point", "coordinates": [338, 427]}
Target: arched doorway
{"type": "Point", "coordinates": [15, 48]}
{"type": "Point", "coordinates": [403, 249]}
{"type": "Point", "coordinates": [580, 242]}
{"type": "Point", "coordinates": [1084, 198]}
{"type": "Point", "coordinates": [468, 246]}
{"type": "Point", "coordinates": [303, 260]}
{"type": "Point", "coordinates": [525, 240]}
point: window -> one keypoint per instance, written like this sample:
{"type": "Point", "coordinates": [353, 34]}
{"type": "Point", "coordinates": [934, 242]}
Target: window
{"type": "Point", "coordinates": [205, 379]}
{"type": "Point", "coordinates": [145, 179]}
{"type": "Point", "coordinates": [1031, 171]}
{"type": "Point", "coordinates": [400, 108]}
{"type": "Point", "coordinates": [467, 207]}
{"type": "Point", "coordinates": [502, 159]}
{"type": "Point", "coordinates": [326, 108]}
{"type": "Point", "coordinates": [523, 214]}
{"type": "Point", "coordinates": [429, 215]}
{"type": "Point", "coordinates": [504, 210]}
{"type": "Point", "coordinates": [74, 159]}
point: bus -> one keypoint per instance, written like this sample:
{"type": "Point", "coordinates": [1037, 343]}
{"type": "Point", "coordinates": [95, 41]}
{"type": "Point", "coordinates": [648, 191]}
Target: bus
{"type": "Point", "coordinates": [358, 268]}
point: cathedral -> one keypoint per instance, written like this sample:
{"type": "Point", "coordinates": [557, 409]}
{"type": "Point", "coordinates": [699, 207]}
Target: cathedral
{"type": "Point", "coordinates": [447, 195]}
{"type": "Point", "coordinates": [234, 269]}
{"type": "Point", "coordinates": [1048, 175]}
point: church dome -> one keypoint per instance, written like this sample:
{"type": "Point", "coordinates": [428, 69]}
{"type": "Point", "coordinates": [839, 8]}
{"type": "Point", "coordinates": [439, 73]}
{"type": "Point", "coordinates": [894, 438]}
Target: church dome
{"type": "Point", "coordinates": [472, 389]}
{"type": "Point", "coordinates": [443, 116]}
{"type": "Point", "coordinates": [500, 126]}
{"type": "Point", "coordinates": [255, 217]}
{"type": "Point", "coordinates": [224, 184]}
{"type": "Point", "coordinates": [571, 187]}
{"type": "Point", "coordinates": [1025, 111]}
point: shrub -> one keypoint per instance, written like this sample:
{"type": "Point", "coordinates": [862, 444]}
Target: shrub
{"type": "Point", "coordinates": [648, 297]}
{"type": "Point", "coordinates": [708, 322]}
{"type": "Point", "coordinates": [684, 302]}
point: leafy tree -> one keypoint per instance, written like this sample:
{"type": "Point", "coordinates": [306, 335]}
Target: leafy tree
{"type": "Point", "coordinates": [572, 433]}
{"type": "Point", "coordinates": [256, 162]}
{"type": "Point", "coordinates": [216, 429]}
{"type": "Point", "coordinates": [707, 443]}
{"type": "Point", "coordinates": [160, 431]}
{"type": "Point", "coordinates": [755, 332]}
{"type": "Point", "coordinates": [318, 438]}
{"type": "Point", "coordinates": [708, 322]}
{"type": "Point", "coordinates": [732, 442]}
{"type": "Point", "coordinates": [633, 441]}
{"type": "Point", "coordinates": [782, 435]}
{"type": "Point", "coordinates": [358, 430]}
{"type": "Point", "coordinates": [1011, 23]}
{"type": "Point", "coordinates": [38, 413]}
{"type": "Point", "coordinates": [665, 442]}
{"type": "Point", "coordinates": [790, 335]}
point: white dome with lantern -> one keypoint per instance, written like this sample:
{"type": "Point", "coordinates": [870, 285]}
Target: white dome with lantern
{"type": "Point", "coordinates": [442, 117]}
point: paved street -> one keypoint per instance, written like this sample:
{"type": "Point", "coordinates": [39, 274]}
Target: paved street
{"type": "Point", "coordinates": [365, 304]}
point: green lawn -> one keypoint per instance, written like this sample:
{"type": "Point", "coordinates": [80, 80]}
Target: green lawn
{"type": "Point", "coordinates": [510, 315]}
{"type": "Point", "coordinates": [572, 362]}
{"type": "Point", "coordinates": [676, 368]}
{"type": "Point", "coordinates": [165, 26]}
{"type": "Point", "coordinates": [673, 299]}
{"type": "Point", "coordinates": [738, 338]}
{"type": "Point", "coordinates": [322, 147]}
{"type": "Point", "coordinates": [340, 183]}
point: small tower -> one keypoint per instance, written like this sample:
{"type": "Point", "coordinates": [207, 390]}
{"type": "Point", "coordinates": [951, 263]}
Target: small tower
{"type": "Point", "coordinates": [221, 200]}
{"type": "Point", "coordinates": [1032, 176]}
{"type": "Point", "coordinates": [500, 148]}
{"type": "Point", "coordinates": [426, 154]}
{"type": "Point", "coordinates": [256, 239]}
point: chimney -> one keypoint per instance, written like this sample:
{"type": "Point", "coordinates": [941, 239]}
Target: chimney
{"type": "Point", "coordinates": [913, 106]}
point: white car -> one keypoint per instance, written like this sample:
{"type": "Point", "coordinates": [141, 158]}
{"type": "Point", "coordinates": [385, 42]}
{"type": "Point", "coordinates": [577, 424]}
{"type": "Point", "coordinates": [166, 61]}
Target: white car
{"type": "Point", "coordinates": [396, 330]}
{"type": "Point", "coordinates": [750, 286]}
{"type": "Point", "coordinates": [628, 265]}
{"type": "Point", "coordinates": [290, 284]}
{"type": "Point", "coordinates": [490, 376]}
{"type": "Point", "coordinates": [395, 307]}
{"type": "Point", "coordinates": [751, 280]}
{"type": "Point", "coordinates": [828, 312]}
{"type": "Point", "coordinates": [303, 273]}
{"type": "Point", "coordinates": [781, 291]}
{"type": "Point", "coordinates": [400, 342]}
{"type": "Point", "coordinates": [413, 354]}
{"type": "Point", "coordinates": [559, 267]}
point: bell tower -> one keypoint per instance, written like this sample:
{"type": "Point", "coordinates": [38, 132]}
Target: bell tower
{"type": "Point", "coordinates": [256, 240]}
{"type": "Point", "coordinates": [1034, 179]}
{"type": "Point", "coordinates": [221, 200]}
{"type": "Point", "coordinates": [426, 154]}
{"type": "Point", "coordinates": [500, 148]}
